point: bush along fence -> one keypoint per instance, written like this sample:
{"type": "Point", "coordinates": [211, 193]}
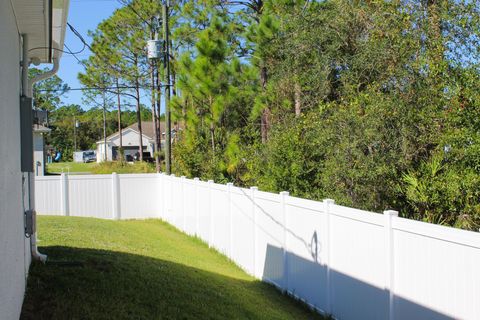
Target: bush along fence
{"type": "Point", "coordinates": [346, 262]}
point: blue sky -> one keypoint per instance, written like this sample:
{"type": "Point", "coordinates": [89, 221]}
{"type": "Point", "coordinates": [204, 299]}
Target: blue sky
{"type": "Point", "coordinates": [84, 15]}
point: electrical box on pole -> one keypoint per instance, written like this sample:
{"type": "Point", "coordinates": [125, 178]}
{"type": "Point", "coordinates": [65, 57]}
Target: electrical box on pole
{"type": "Point", "coordinates": [155, 49]}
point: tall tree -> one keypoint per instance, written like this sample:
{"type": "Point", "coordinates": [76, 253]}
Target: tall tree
{"type": "Point", "coordinates": [47, 93]}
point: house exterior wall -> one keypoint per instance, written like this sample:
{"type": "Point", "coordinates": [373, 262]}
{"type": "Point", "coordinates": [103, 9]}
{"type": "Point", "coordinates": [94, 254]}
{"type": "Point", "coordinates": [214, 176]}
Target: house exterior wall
{"type": "Point", "coordinates": [14, 249]}
{"type": "Point", "coordinates": [101, 152]}
{"type": "Point", "coordinates": [129, 139]}
{"type": "Point", "coordinates": [38, 154]}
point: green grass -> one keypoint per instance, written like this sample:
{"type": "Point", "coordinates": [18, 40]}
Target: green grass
{"type": "Point", "coordinates": [100, 168]}
{"type": "Point", "coordinates": [123, 167]}
{"type": "Point", "coordinates": [59, 167]}
{"type": "Point", "coordinates": [100, 269]}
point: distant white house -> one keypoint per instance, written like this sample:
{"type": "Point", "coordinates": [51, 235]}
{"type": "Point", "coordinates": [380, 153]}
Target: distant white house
{"type": "Point", "coordinates": [130, 141]}
{"type": "Point", "coordinates": [39, 149]}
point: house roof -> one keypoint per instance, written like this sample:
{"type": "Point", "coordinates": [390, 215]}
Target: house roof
{"type": "Point", "coordinates": [147, 130]}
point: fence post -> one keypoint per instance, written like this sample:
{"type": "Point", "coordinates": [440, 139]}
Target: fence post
{"type": "Point", "coordinates": [327, 203]}
{"type": "Point", "coordinates": [283, 200]}
{"type": "Point", "coordinates": [164, 196]}
{"type": "Point", "coordinates": [253, 190]}
{"type": "Point", "coordinates": [390, 263]}
{"type": "Point", "coordinates": [230, 220]}
{"type": "Point", "coordinates": [116, 196]}
{"type": "Point", "coordinates": [197, 204]}
{"type": "Point", "coordinates": [172, 205]}
{"type": "Point", "coordinates": [184, 222]}
{"type": "Point", "coordinates": [64, 195]}
{"type": "Point", "coordinates": [210, 210]}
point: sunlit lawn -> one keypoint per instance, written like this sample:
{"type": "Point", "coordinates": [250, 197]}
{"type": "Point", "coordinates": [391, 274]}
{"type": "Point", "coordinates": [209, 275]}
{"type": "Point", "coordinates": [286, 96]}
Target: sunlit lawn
{"type": "Point", "coordinates": [59, 167]}
{"type": "Point", "coordinates": [101, 269]}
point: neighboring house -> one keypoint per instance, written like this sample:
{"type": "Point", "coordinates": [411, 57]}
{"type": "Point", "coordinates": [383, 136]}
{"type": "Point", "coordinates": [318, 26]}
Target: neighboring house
{"type": "Point", "coordinates": [39, 156]}
{"type": "Point", "coordinates": [130, 141]}
{"type": "Point", "coordinates": [29, 31]}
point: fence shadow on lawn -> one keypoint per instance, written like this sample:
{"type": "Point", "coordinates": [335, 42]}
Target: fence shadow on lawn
{"type": "Point", "coordinates": [100, 284]}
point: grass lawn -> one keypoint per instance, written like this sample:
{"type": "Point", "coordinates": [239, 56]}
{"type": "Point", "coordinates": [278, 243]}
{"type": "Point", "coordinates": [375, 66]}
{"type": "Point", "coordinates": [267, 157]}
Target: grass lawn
{"type": "Point", "coordinates": [101, 269]}
{"type": "Point", "coordinates": [59, 167]}
{"type": "Point", "coordinates": [100, 168]}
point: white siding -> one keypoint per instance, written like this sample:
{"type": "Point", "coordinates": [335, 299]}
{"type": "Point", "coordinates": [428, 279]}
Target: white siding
{"type": "Point", "coordinates": [14, 254]}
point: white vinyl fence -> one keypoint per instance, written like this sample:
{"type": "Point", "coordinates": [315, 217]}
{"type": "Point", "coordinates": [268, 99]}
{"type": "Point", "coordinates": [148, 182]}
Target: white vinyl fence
{"type": "Point", "coordinates": [346, 262]}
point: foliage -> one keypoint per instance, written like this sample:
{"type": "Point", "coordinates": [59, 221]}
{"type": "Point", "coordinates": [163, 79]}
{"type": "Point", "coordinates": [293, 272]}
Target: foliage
{"type": "Point", "coordinates": [374, 104]}
{"type": "Point", "coordinates": [362, 98]}
{"type": "Point", "coordinates": [47, 93]}
{"type": "Point", "coordinates": [90, 128]}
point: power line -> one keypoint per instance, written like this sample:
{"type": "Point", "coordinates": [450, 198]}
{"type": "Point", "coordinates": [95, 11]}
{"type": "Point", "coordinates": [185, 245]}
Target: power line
{"type": "Point", "coordinates": [79, 36]}
{"type": "Point", "coordinates": [98, 88]}
{"type": "Point", "coordinates": [74, 55]}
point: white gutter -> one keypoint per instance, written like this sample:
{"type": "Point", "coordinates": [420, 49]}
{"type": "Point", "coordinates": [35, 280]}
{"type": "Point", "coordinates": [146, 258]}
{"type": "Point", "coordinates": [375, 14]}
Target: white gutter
{"type": "Point", "coordinates": [27, 90]}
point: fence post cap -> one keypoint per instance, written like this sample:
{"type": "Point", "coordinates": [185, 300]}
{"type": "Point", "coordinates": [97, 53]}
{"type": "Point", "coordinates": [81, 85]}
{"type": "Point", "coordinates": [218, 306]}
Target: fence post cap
{"type": "Point", "coordinates": [284, 193]}
{"type": "Point", "coordinates": [391, 213]}
{"type": "Point", "coordinates": [254, 188]}
{"type": "Point", "coordinates": [230, 184]}
{"type": "Point", "coordinates": [329, 201]}
{"type": "Point", "coordinates": [210, 181]}
{"type": "Point", "coordinates": [114, 173]}
{"type": "Point", "coordinates": [196, 179]}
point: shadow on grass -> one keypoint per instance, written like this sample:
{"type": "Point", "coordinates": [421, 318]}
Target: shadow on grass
{"type": "Point", "coordinates": [98, 284]}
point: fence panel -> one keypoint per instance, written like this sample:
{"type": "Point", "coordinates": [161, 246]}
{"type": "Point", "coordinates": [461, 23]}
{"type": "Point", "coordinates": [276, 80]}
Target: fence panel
{"type": "Point", "coordinates": [243, 237]}
{"type": "Point", "coordinates": [176, 202]}
{"type": "Point", "coordinates": [306, 244]}
{"type": "Point", "coordinates": [436, 271]}
{"type": "Point", "coordinates": [221, 223]}
{"type": "Point", "coordinates": [348, 262]}
{"type": "Point", "coordinates": [270, 225]}
{"type": "Point", "coordinates": [90, 196]}
{"type": "Point", "coordinates": [203, 220]}
{"type": "Point", "coordinates": [190, 206]}
{"type": "Point", "coordinates": [358, 265]}
{"type": "Point", "coordinates": [137, 192]}
{"type": "Point", "coordinates": [47, 195]}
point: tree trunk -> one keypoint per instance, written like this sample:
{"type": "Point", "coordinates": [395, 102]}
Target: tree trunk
{"type": "Point", "coordinates": [265, 118]}
{"type": "Point", "coordinates": [212, 136]}
{"type": "Point", "coordinates": [139, 119]}
{"type": "Point", "coordinates": [159, 105]}
{"type": "Point", "coordinates": [434, 35]}
{"type": "Point", "coordinates": [174, 93]}
{"type": "Point", "coordinates": [119, 119]}
{"type": "Point", "coordinates": [298, 99]}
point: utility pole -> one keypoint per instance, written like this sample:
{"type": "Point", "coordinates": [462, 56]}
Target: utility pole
{"type": "Point", "coordinates": [168, 129]}
{"type": "Point", "coordinates": [154, 34]}
{"type": "Point", "coordinates": [74, 134]}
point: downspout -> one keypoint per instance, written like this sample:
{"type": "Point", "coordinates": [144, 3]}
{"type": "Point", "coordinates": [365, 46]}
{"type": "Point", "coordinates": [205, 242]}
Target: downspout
{"type": "Point", "coordinates": [27, 90]}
